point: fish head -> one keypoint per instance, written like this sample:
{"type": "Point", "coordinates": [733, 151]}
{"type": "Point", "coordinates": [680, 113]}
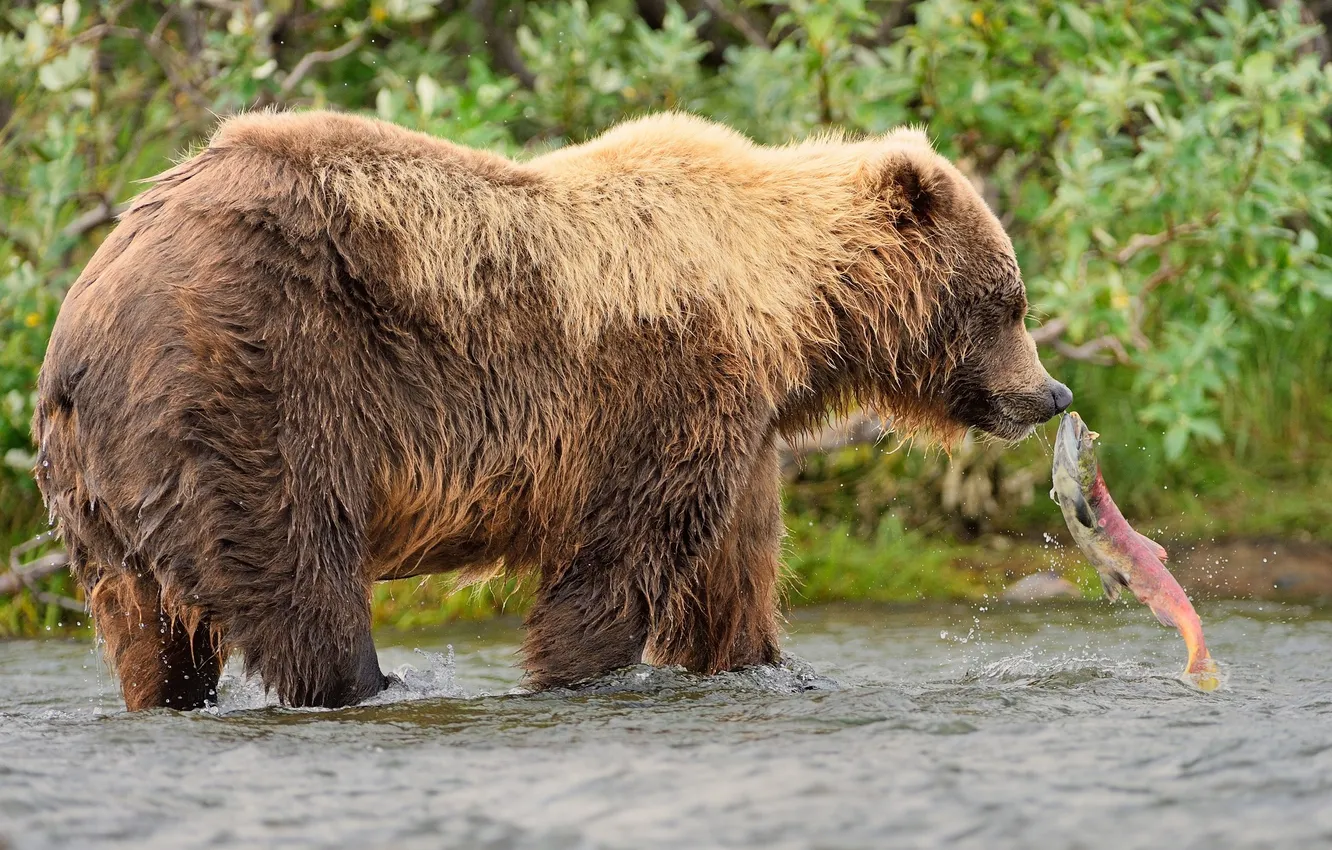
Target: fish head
{"type": "Point", "coordinates": [1075, 464]}
{"type": "Point", "coordinates": [1075, 470]}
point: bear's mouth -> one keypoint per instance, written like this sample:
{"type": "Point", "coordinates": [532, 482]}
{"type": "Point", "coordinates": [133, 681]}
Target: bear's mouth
{"type": "Point", "coordinates": [1016, 415]}
{"type": "Point", "coordinates": [1006, 428]}
{"type": "Point", "coordinates": [1008, 416]}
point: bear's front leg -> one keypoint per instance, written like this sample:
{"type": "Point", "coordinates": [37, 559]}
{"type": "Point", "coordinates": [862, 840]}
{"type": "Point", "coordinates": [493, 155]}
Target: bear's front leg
{"type": "Point", "coordinates": [725, 616]}
{"type": "Point", "coordinates": [677, 565]}
{"type": "Point", "coordinates": [586, 622]}
{"type": "Point", "coordinates": [321, 658]}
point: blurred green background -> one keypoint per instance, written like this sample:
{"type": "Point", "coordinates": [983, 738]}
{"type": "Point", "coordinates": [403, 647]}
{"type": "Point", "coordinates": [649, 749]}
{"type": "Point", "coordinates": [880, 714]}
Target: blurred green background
{"type": "Point", "coordinates": [1163, 168]}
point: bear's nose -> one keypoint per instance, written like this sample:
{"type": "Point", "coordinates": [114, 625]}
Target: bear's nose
{"type": "Point", "coordinates": [1061, 395]}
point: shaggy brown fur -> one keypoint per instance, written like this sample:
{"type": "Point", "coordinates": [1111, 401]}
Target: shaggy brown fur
{"type": "Point", "coordinates": [328, 351]}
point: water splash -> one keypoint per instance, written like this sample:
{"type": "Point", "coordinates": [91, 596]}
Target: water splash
{"type": "Point", "coordinates": [790, 675]}
{"type": "Point", "coordinates": [437, 680]}
{"type": "Point", "coordinates": [1060, 671]}
{"type": "Point", "coordinates": [1208, 680]}
{"type": "Point", "coordinates": [238, 692]}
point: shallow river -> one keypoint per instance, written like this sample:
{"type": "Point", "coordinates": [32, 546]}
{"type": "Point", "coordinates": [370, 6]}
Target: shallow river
{"type": "Point", "coordinates": [1051, 727]}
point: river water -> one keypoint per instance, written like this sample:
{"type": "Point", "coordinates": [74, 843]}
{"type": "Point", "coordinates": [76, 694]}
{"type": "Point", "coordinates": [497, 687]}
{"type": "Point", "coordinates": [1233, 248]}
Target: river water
{"type": "Point", "coordinates": [956, 726]}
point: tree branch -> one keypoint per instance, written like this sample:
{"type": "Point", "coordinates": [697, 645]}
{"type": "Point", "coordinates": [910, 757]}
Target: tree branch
{"type": "Point", "coordinates": [157, 49]}
{"type": "Point", "coordinates": [1144, 241]}
{"type": "Point", "coordinates": [1050, 331]}
{"type": "Point", "coordinates": [857, 429]}
{"type": "Point", "coordinates": [740, 22]}
{"type": "Point", "coordinates": [890, 21]}
{"type": "Point", "coordinates": [1090, 352]}
{"type": "Point", "coordinates": [15, 580]}
{"type": "Point", "coordinates": [501, 46]}
{"type": "Point", "coordinates": [23, 245]}
{"type": "Point", "coordinates": [1158, 277]}
{"type": "Point", "coordinates": [104, 212]}
{"type": "Point", "coordinates": [25, 576]}
{"type": "Point", "coordinates": [310, 60]}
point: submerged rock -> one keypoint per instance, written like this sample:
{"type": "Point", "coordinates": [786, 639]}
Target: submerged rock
{"type": "Point", "coordinates": [1043, 585]}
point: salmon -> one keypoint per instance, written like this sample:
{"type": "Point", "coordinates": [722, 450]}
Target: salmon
{"type": "Point", "coordinates": [1122, 556]}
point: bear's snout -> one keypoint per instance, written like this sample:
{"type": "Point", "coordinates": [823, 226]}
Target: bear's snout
{"type": "Point", "coordinates": [1061, 395]}
{"type": "Point", "coordinates": [1039, 405]}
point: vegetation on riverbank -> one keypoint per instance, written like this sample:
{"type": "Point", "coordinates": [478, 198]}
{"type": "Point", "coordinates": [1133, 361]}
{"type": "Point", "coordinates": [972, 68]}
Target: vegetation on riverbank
{"type": "Point", "coordinates": [1163, 168]}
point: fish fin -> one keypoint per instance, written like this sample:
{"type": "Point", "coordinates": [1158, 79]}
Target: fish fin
{"type": "Point", "coordinates": [1163, 617]}
{"type": "Point", "coordinates": [1054, 495]}
{"type": "Point", "coordinates": [1157, 549]}
{"type": "Point", "coordinates": [1083, 511]}
{"type": "Point", "coordinates": [1111, 584]}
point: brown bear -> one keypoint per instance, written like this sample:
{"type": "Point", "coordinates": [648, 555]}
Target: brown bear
{"type": "Point", "coordinates": [328, 351]}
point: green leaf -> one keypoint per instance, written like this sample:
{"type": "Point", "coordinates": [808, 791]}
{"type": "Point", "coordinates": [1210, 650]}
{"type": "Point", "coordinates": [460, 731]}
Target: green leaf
{"type": "Point", "coordinates": [69, 14]}
{"type": "Point", "coordinates": [1079, 20]}
{"type": "Point", "coordinates": [1257, 68]}
{"type": "Point", "coordinates": [428, 94]}
{"type": "Point", "coordinates": [1176, 439]}
{"type": "Point", "coordinates": [63, 71]}
{"type": "Point", "coordinates": [1208, 429]}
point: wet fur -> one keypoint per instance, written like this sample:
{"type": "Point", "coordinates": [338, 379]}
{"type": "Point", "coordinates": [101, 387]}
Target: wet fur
{"type": "Point", "coordinates": [327, 351]}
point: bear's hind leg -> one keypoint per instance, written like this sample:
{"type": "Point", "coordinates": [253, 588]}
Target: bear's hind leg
{"type": "Point", "coordinates": [160, 662]}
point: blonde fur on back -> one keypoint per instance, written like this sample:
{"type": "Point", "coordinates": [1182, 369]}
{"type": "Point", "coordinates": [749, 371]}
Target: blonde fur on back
{"type": "Point", "coordinates": [659, 220]}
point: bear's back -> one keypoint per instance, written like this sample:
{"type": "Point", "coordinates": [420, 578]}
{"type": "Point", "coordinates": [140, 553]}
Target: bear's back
{"type": "Point", "coordinates": [661, 219]}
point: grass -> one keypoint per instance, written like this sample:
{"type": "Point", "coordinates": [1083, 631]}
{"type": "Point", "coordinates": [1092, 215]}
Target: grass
{"type": "Point", "coordinates": [433, 600]}
{"type": "Point", "coordinates": [825, 563]}
{"type": "Point", "coordinates": [829, 561]}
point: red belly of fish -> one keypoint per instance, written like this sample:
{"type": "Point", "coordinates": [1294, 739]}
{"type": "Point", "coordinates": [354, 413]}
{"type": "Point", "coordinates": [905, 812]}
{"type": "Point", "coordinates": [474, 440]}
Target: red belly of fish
{"type": "Point", "coordinates": [1148, 578]}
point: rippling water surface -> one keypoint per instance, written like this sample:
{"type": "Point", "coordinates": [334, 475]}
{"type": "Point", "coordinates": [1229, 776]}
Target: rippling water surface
{"type": "Point", "coordinates": [888, 727]}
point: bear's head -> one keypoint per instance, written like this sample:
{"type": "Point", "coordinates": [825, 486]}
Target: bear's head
{"type": "Point", "coordinates": [958, 353]}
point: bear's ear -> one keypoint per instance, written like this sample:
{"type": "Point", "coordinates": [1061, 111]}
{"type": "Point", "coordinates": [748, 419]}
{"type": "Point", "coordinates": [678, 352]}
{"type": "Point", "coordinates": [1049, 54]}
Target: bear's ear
{"type": "Point", "coordinates": [906, 183]}
{"type": "Point", "coordinates": [911, 136]}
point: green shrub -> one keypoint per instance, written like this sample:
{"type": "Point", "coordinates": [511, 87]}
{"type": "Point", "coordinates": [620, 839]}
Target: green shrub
{"type": "Point", "coordinates": [1163, 169]}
